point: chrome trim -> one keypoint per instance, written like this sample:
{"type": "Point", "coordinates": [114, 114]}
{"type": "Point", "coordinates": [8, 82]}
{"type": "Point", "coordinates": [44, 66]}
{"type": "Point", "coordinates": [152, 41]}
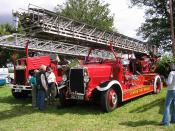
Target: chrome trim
{"type": "Point", "coordinates": [21, 87]}
{"type": "Point", "coordinates": [82, 76]}
{"type": "Point", "coordinates": [60, 87]}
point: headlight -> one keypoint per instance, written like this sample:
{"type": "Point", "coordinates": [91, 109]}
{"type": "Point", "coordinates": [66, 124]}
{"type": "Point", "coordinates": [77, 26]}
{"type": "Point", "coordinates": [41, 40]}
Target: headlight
{"type": "Point", "coordinates": [64, 77]}
{"type": "Point", "coordinates": [112, 75]}
{"type": "Point", "coordinates": [86, 79]}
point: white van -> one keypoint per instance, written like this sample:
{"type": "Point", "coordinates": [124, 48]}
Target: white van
{"type": "Point", "coordinates": [3, 76]}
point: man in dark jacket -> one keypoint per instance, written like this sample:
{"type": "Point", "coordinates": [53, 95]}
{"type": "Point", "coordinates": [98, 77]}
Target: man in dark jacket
{"type": "Point", "coordinates": [41, 87]}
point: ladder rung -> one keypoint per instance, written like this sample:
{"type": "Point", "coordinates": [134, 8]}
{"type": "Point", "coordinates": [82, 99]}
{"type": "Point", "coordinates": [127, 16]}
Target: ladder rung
{"type": "Point", "coordinates": [50, 23]}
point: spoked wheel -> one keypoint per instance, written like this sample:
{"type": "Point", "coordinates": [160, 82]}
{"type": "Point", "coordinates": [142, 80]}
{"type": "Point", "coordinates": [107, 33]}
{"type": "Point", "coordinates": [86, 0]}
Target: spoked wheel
{"type": "Point", "coordinates": [109, 100]}
{"type": "Point", "coordinates": [157, 85]}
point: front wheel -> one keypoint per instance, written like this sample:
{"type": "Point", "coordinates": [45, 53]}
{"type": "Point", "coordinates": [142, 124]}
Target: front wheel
{"type": "Point", "coordinates": [157, 85]}
{"type": "Point", "coordinates": [109, 100]}
{"type": "Point", "coordinates": [66, 102]}
{"type": "Point", "coordinates": [19, 95]}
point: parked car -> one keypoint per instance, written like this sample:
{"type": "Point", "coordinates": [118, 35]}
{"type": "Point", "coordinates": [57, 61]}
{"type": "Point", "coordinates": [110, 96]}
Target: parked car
{"type": "Point", "coordinates": [3, 76]}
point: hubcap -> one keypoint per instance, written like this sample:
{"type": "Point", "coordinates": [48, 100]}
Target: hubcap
{"type": "Point", "coordinates": [112, 98]}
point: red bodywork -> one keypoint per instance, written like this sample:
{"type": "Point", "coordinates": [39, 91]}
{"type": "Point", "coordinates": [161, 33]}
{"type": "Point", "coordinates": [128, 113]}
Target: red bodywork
{"type": "Point", "coordinates": [131, 85]}
{"type": "Point", "coordinates": [112, 80]}
{"type": "Point", "coordinates": [25, 66]}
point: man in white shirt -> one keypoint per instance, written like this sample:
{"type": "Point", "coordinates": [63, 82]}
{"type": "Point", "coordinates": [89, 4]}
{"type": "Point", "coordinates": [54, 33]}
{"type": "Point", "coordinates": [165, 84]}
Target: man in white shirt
{"type": "Point", "coordinates": [170, 97]}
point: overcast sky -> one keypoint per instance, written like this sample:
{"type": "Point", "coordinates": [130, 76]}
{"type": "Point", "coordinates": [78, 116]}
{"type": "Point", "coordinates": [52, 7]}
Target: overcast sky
{"type": "Point", "coordinates": [126, 20]}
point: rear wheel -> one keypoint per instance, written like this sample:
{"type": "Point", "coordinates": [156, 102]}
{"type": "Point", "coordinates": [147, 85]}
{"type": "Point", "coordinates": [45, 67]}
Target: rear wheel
{"type": "Point", "coordinates": [157, 85]}
{"type": "Point", "coordinates": [109, 100]}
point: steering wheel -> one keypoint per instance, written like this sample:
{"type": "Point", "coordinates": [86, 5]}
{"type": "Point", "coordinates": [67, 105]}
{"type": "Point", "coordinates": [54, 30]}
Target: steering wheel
{"type": "Point", "coordinates": [101, 60]}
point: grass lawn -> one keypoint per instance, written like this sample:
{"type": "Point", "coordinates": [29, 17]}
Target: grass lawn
{"type": "Point", "coordinates": [141, 114]}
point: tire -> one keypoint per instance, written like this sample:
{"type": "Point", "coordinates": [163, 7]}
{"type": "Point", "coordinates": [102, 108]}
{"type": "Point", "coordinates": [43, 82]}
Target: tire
{"type": "Point", "coordinates": [163, 80]}
{"type": "Point", "coordinates": [157, 85]}
{"type": "Point", "coordinates": [19, 95]}
{"type": "Point", "coordinates": [66, 102]}
{"type": "Point", "coordinates": [109, 100]}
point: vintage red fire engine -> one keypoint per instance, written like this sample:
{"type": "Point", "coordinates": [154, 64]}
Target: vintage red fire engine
{"type": "Point", "coordinates": [102, 80]}
{"type": "Point", "coordinates": [109, 82]}
{"type": "Point", "coordinates": [24, 67]}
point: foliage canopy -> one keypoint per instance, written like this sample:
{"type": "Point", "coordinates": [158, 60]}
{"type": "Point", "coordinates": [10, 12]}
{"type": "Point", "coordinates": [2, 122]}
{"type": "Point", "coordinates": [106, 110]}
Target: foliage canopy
{"type": "Point", "coordinates": [5, 55]}
{"type": "Point", "coordinates": [156, 28]}
{"type": "Point", "coordinates": [92, 12]}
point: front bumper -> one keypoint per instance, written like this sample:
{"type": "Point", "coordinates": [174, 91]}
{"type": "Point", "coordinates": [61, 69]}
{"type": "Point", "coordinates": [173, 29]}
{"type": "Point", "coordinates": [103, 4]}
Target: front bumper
{"type": "Point", "coordinates": [19, 88]}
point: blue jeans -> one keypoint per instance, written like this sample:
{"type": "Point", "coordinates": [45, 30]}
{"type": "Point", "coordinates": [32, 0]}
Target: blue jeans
{"type": "Point", "coordinates": [40, 99]}
{"type": "Point", "coordinates": [170, 97]}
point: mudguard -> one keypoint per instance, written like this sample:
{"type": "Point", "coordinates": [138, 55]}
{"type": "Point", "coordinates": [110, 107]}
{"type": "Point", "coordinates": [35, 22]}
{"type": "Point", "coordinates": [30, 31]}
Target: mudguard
{"type": "Point", "coordinates": [108, 84]}
{"type": "Point", "coordinates": [155, 79]}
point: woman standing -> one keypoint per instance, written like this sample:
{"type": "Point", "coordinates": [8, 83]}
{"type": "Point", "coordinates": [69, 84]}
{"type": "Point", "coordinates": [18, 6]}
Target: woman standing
{"type": "Point", "coordinates": [51, 85]}
{"type": "Point", "coordinates": [170, 97]}
{"type": "Point", "coordinates": [32, 82]}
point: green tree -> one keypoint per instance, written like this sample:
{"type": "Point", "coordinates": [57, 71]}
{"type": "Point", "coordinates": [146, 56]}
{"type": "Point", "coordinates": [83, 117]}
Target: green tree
{"type": "Point", "coordinates": [6, 29]}
{"type": "Point", "coordinates": [5, 54]}
{"type": "Point", "coordinates": [163, 65]}
{"type": "Point", "coordinates": [156, 28]}
{"type": "Point", "coordinates": [92, 12]}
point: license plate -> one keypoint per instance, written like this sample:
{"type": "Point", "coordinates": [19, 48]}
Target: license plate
{"type": "Point", "coordinates": [17, 90]}
{"type": "Point", "coordinates": [78, 97]}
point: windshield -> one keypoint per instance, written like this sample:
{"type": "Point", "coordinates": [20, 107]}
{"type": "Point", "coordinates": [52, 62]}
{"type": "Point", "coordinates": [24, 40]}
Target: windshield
{"type": "Point", "coordinates": [21, 62]}
{"type": "Point", "coordinates": [98, 55]}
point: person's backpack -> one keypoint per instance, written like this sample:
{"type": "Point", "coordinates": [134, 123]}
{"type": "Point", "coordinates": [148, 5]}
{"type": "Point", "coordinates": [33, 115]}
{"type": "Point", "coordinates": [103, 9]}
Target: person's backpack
{"type": "Point", "coordinates": [38, 81]}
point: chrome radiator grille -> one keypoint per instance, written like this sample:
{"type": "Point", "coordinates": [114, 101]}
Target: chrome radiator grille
{"type": "Point", "coordinates": [77, 81]}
